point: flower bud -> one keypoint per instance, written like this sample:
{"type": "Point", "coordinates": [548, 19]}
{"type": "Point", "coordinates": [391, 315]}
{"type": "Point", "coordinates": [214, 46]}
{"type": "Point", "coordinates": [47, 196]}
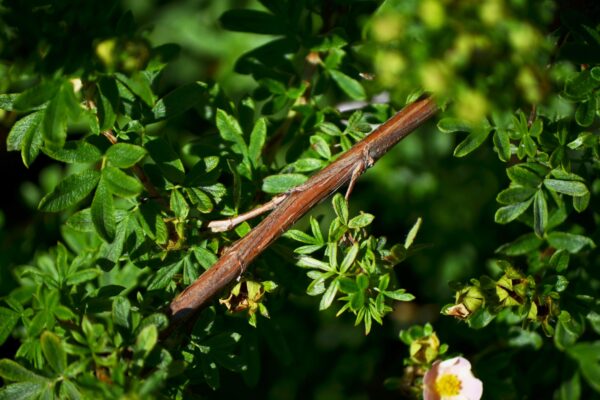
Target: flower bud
{"type": "Point", "coordinates": [425, 349]}
{"type": "Point", "coordinates": [468, 300]}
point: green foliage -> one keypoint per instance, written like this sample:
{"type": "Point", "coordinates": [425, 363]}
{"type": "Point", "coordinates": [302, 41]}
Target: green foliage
{"type": "Point", "coordinates": [358, 266]}
{"type": "Point", "coordinates": [149, 159]}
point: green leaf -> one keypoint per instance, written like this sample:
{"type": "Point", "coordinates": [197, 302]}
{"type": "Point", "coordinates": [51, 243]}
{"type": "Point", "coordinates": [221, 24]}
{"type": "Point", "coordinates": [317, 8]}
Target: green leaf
{"type": "Point", "coordinates": [481, 318]}
{"type": "Point", "coordinates": [511, 212]}
{"type": "Point", "coordinates": [76, 151]}
{"type": "Point", "coordinates": [108, 104]}
{"type": "Point", "coordinates": [340, 206]}
{"type": "Point", "coordinates": [360, 221]}
{"type": "Point", "coordinates": [349, 258]}
{"type": "Point", "coordinates": [190, 271]}
{"type": "Point", "coordinates": [81, 221]}
{"type": "Point", "coordinates": [151, 221]}
{"type": "Point", "coordinates": [139, 84]}
{"type": "Point", "coordinates": [26, 135]}
{"type": "Point", "coordinates": [580, 203]}
{"type": "Point", "coordinates": [522, 245]}
{"type": "Point", "coordinates": [70, 191]}
{"type": "Point", "coordinates": [561, 174]}
{"type": "Point", "coordinates": [329, 296]}
{"type": "Point", "coordinates": [581, 85]}
{"type": "Point", "coordinates": [145, 341]}
{"type": "Point", "coordinates": [204, 257]}
{"type": "Point", "coordinates": [282, 183]}
{"type": "Point", "coordinates": [125, 155]}
{"type": "Point", "coordinates": [166, 159]}
{"type": "Point", "coordinates": [570, 389]}
{"type": "Point", "coordinates": [83, 275]}
{"type": "Point", "coordinates": [586, 112]}
{"type": "Point", "coordinates": [560, 260]}
{"type": "Point", "coordinates": [308, 249]}
{"type": "Point", "coordinates": [68, 390]}
{"type": "Point", "coordinates": [529, 146]}
{"type": "Point", "coordinates": [320, 146]}
{"type": "Point", "coordinates": [350, 86]}
{"type": "Point", "coordinates": [36, 96]}
{"type": "Point", "coordinates": [179, 100]}
{"type": "Point", "coordinates": [257, 141]}
{"type": "Point", "coordinates": [472, 142]}
{"type": "Point", "coordinates": [57, 113]}
{"type": "Point", "coordinates": [109, 253]}
{"type": "Point", "coordinates": [399, 295]}
{"type": "Point", "coordinates": [309, 262]}
{"type": "Point", "coordinates": [537, 127]}
{"type": "Point", "coordinates": [200, 199]}
{"type": "Point", "coordinates": [179, 205]}
{"type": "Point", "coordinates": [8, 320]}
{"type": "Point", "coordinates": [24, 391]}
{"type": "Point", "coordinates": [330, 129]}
{"type": "Point", "coordinates": [119, 183]}
{"type": "Point", "coordinates": [570, 188]}
{"type": "Point", "coordinates": [54, 352]}
{"type": "Point", "coordinates": [515, 194]}
{"type": "Point", "coordinates": [332, 40]}
{"type": "Point", "coordinates": [230, 130]}
{"type": "Point", "coordinates": [308, 164]}
{"type": "Point", "coordinates": [103, 212]}
{"type": "Point", "coordinates": [587, 355]}
{"type": "Point", "coordinates": [164, 276]}
{"type": "Point", "coordinates": [502, 144]}
{"type": "Point", "coordinates": [412, 234]}
{"type": "Point", "coordinates": [540, 213]}
{"type": "Point", "coordinates": [7, 101]}
{"type": "Point", "coordinates": [523, 176]}
{"type": "Point", "coordinates": [121, 311]}
{"type": "Point", "coordinates": [362, 282]}
{"type": "Point", "coordinates": [254, 21]}
{"type": "Point", "coordinates": [315, 228]}
{"type": "Point", "coordinates": [451, 125]}
{"type": "Point", "coordinates": [568, 241]}
{"type": "Point", "coordinates": [300, 236]}
{"type": "Point", "coordinates": [347, 285]}
{"type": "Point", "coordinates": [15, 372]}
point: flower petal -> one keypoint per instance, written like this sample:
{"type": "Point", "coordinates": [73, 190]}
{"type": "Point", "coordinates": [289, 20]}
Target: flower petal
{"type": "Point", "coordinates": [429, 392]}
{"type": "Point", "coordinates": [471, 387]}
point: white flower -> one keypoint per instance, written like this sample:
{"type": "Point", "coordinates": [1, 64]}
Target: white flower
{"type": "Point", "coordinates": [451, 380]}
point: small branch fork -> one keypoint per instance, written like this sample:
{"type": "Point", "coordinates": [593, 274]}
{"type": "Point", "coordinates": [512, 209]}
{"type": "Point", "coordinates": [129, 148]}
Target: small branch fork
{"type": "Point", "coordinates": [230, 223]}
{"type": "Point", "coordinates": [291, 206]}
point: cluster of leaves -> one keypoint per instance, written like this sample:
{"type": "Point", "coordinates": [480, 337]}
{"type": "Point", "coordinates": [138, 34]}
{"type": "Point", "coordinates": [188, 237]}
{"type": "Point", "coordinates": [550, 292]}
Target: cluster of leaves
{"type": "Point", "coordinates": [545, 276]}
{"type": "Point", "coordinates": [136, 195]}
{"type": "Point", "coordinates": [364, 277]}
{"type": "Point", "coordinates": [140, 185]}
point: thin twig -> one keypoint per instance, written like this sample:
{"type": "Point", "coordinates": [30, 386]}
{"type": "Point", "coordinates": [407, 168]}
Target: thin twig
{"type": "Point", "coordinates": [296, 203]}
{"type": "Point", "coordinates": [230, 223]}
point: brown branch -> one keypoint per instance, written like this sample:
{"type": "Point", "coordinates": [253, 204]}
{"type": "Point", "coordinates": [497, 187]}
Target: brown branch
{"type": "Point", "coordinates": [296, 203]}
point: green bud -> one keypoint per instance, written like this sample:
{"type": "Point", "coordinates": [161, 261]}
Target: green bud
{"type": "Point", "coordinates": [468, 300]}
{"type": "Point", "coordinates": [425, 350]}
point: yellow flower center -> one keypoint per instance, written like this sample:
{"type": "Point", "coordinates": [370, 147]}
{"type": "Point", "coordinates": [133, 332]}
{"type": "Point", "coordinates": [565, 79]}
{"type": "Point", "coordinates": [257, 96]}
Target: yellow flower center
{"type": "Point", "coordinates": [448, 385]}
